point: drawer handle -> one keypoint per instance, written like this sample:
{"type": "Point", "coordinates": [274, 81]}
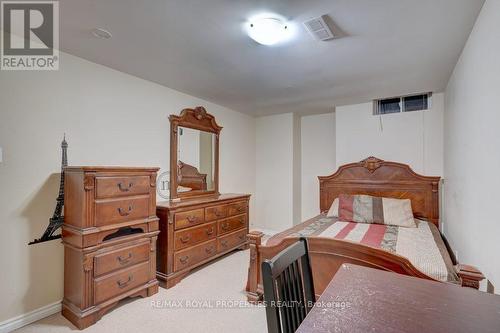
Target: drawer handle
{"type": "Point", "coordinates": [218, 213]}
{"type": "Point", "coordinates": [123, 284]}
{"type": "Point", "coordinates": [225, 226]}
{"type": "Point", "coordinates": [192, 219]}
{"type": "Point", "coordinates": [186, 239]}
{"type": "Point", "coordinates": [125, 189]}
{"type": "Point", "coordinates": [210, 231]}
{"type": "Point", "coordinates": [122, 212]}
{"type": "Point", "coordinates": [209, 250]}
{"type": "Point", "coordinates": [223, 243]}
{"type": "Point", "coordinates": [242, 220]}
{"type": "Point", "coordinates": [240, 208]}
{"type": "Point", "coordinates": [242, 237]}
{"type": "Point", "coordinates": [184, 259]}
{"type": "Point", "coordinates": [124, 260]}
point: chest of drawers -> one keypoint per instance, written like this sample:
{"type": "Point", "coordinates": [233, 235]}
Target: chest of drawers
{"type": "Point", "coordinates": [109, 235]}
{"type": "Point", "coordinates": [196, 231]}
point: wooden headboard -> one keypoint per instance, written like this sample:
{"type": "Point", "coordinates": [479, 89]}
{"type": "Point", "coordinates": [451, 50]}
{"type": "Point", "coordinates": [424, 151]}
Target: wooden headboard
{"type": "Point", "coordinates": [376, 177]}
{"type": "Point", "coordinates": [189, 176]}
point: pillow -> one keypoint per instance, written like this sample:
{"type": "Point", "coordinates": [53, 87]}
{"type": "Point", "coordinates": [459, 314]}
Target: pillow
{"type": "Point", "coordinates": [181, 189]}
{"type": "Point", "coordinates": [368, 209]}
{"type": "Point", "coordinates": [334, 209]}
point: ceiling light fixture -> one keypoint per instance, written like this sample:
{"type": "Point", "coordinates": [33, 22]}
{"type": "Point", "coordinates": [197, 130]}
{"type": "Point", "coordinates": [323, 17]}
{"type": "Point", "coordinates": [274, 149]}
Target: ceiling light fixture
{"type": "Point", "coordinates": [101, 33]}
{"type": "Point", "coordinates": [267, 29]}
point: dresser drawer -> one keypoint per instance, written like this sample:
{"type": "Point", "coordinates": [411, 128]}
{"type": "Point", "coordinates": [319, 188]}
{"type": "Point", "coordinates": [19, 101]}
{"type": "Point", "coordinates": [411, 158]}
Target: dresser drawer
{"type": "Point", "coordinates": [216, 212]}
{"type": "Point", "coordinates": [189, 218]}
{"type": "Point", "coordinates": [231, 224]}
{"type": "Point", "coordinates": [116, 211]}
{"type": "Point", "coordinates": [126, 257]}
{"type": "Point", "coordinates": [194, 255]}
{"type": "Point", "coordinates": [107, 187]}
{"type": "Point", "coordinates": [229, 241]}
{"type": "Point", "coordinates": [237, 208]}
{"type": "Point", "coordinates": [115, 284]}
{"type": "Point", "coordinates": [195, 235]}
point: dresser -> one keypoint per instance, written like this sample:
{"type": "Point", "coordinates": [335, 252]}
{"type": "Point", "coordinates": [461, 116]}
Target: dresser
{"type": "Point", "coordinates": [109, 234]}
{"type": "Point", "coordinates": [195, 231]}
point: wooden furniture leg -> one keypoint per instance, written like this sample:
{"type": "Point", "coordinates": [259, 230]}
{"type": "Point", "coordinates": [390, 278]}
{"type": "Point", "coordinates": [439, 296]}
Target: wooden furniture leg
{"type": "Point", "coordinates": [470, 275]}
{"type": "Point", "coordinates": [254, 240]}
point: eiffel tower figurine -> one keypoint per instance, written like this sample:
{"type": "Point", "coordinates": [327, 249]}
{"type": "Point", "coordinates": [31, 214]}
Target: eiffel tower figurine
{"type": "Point", "coordinates": [57, 219]}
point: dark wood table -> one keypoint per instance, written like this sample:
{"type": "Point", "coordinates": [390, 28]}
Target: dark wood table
{"type": "Point", "coordinates": [360, 299]}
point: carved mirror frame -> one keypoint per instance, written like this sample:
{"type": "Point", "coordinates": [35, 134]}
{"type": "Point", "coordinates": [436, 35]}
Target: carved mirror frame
{"type": "Point", "coordinates": [198, 119]}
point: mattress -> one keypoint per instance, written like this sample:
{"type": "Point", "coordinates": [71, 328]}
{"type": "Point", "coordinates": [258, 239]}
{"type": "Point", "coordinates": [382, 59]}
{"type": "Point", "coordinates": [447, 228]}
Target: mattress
{"type": "Point", "coordinates": [422, 246]}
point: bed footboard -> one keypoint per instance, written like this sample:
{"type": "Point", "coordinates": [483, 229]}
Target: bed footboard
{"type": "Point", "coordinates": [254, 242]}
{"type": "Point", "coordinates": [469, 275]}
{"type": "Point", "coordinates": [327, 255]}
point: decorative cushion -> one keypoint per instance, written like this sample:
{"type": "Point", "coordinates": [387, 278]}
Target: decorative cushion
{"type": "Point", "coordinates": [369, 209]}
{"type": "Point", "coordinates": [334, 209]}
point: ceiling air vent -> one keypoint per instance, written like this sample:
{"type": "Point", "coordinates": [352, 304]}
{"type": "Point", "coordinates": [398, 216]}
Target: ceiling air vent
{"type": "Point", "coordinates": [318, 28]}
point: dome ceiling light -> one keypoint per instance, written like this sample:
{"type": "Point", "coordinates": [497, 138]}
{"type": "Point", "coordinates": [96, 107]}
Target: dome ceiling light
{"type": "Point", "coordinates": [101, 33]}
{"type": "Point", "coordinates": [269, 29]}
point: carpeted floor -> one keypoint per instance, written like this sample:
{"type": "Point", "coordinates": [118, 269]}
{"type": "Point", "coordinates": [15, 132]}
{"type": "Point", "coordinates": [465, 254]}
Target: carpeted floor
{"type": "Point", "coordinates": [218, 285]}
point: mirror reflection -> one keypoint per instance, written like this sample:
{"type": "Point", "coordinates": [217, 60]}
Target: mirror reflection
{"type": "Point", "coordinates": [195, 163]}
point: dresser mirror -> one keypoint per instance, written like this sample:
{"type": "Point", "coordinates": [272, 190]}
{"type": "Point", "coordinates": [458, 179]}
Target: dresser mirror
{"type": "Point", "coordinates": [194, 154]}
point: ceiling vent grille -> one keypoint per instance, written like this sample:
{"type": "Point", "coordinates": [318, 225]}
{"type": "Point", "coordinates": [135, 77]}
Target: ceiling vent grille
{"type": "Point", "coordinates": [318, 28]}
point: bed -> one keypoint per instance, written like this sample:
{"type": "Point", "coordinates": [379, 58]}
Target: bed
{"type": "Point", "coordinates": [190, 179]}
{"type": "Point", "coordinates": [419, 252]}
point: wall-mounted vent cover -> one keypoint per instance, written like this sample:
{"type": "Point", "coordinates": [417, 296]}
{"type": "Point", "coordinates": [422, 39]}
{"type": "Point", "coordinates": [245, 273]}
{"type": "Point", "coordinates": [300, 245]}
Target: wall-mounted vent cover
{"type": "Point", "coordinates": [318, 28]}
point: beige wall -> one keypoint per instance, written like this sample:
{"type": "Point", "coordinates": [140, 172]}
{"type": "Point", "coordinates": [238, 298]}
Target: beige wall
{"type": "Point", "coordinates": [318, 158]}
{"type": "Point", "coordinates": [472, 148]}
{"type": "Point", "coordinates": [110, 118]}
{"type": "Point", "coordinates": [293, 151]}
{"type": "Point", "coordinates": [415, 138]}
{"type": "Point", "coordinates": [274, 171]}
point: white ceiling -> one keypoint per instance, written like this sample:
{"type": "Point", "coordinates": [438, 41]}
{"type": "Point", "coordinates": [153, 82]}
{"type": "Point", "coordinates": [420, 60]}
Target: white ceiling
{"type": "Point", "coordinates": [386, 48]}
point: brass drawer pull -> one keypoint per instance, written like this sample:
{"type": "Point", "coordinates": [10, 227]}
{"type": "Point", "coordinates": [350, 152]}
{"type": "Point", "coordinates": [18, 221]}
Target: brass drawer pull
{"type": "Point", "coordinates": [184, 259]}
{"type": "Point", "coordinates": [122, 284]}
{"type": "Point", "coordinates": [125, 189]}
{"type": "Point", "coordinates": [209, 250]}
{"type": "Point", "coordinates": [240, 208]}
{"type": "Point", "coordinates": [225, 226]}
{"type": "Point", "coordinates": [210, 231]}
{"type": "Point", "coordinates": [223, 243]}
{"type": "Point", "coordinates": [124, 260]}
{"type": "Point", "coordinates": [218, 213]}
{"type": "Point", "coordinates": [122, 212]}
{"type": "Point", "coordinates": [192, 219]}
{"type": "Point", "coordinates": [242, 220]}
{"type": "Point", "coordinates": [186, 239]}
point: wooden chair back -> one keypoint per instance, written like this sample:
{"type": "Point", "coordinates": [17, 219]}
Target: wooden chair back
{"type": "Point", "coordinates": [288, 288]}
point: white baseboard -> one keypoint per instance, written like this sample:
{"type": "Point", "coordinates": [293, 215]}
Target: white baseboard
{"type": "Point", "coordinates": [17, 322]}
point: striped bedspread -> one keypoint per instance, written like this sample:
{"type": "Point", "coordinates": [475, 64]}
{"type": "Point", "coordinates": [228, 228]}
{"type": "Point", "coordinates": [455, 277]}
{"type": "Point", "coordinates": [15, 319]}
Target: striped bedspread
{"type": "Point", "coordinates": [423, 245]}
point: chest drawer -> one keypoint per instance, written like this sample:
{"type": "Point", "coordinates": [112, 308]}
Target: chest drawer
{"type": "Point", "coordinates": [116, 211]}
{"type": "Point", "coordinates": [189, 218]}
{"type": "Point", "coordinates": [231, 224]}
{"type": "Point", "coordinates": [108, 187]}
{"type": "Point", "coordinates": [194, 255]}
{"type": "Point", "coordinates": [231, 240]}
{"type": "Point", "coordinates": [216, 212]}
{"type": "Point", "coordinates": [126, 257]}
{"type": "Point", "coordinates": [192, 236]}
{"type": "Point", "coordinates": [115, 284]}
{"type": "Point", "coordinates": [237, 208]}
